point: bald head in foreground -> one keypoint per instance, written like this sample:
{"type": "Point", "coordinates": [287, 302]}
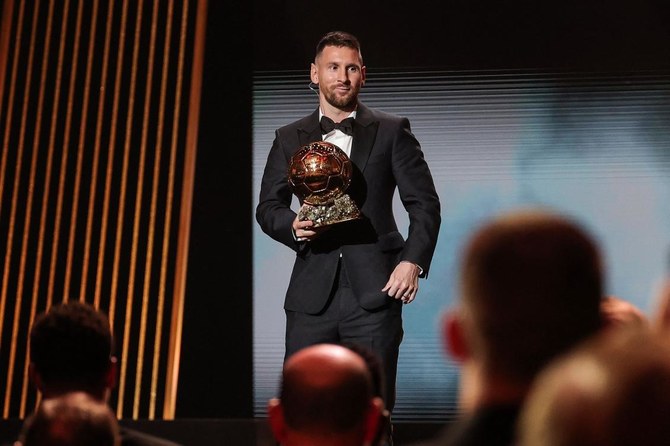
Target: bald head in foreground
{"type": "Point", "coordinates": [326, 398]}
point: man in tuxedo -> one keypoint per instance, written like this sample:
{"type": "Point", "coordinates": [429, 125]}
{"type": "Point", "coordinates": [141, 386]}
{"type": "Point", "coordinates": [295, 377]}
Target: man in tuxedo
{"type": "Point", "coordinates": [350, 279]}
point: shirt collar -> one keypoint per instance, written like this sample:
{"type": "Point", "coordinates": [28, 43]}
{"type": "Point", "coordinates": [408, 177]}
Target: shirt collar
{"type": "Point", "coordinates": [351, 115]}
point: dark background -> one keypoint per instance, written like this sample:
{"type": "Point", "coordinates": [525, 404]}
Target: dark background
{"type": "Point", "coordinates": [469, 34]}
{"type": "Point", "coordinates": [216, 375]}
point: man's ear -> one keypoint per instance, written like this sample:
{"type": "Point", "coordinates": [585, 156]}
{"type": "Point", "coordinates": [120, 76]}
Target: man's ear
{"type": "Point", "coordinates": [314, 74]}
{"type": "Point", "coordinates": [372, 420]}
{"type": "Point", "coordinates": [276, 419]}
{"type": "Point", "coordinates": [453, 333]}
{"type": "Point", "coordinates": [35, 377]}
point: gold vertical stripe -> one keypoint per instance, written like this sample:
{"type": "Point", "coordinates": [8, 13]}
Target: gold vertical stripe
{"type": "Point", "coordinates": [17, 181]}
{"type": "Point", "coordinates": [5, 150]}
{"type": "Point", "coordinates": [110, 155]}
{"type": "Point", "coordinates": [45, 200]}
{"type": "Point", "coordinates": [173, 348]}
{"type": "Point", "coordinates": [53, 136]}
{"type": "Point", "coordinates": [61, 179]}
{"type": "Point", "coordinates": [110, 161]}
{"type": "Point", "coordinates": [119, 226]}
{"type": "Point", "coordinates": [185, 211]}
{"type": "Point", "coordinates": [5, 33]}
{"type": "Point", "coordinates": [166, 227]}
{"type": "Point", "coordinates": [5, 37]}
{"type": "Point", "coordinates": [146, 122]}
{"type": "Point", "coordinates": [77, 172]}
{"type": "Point", "coordinates": [86, 257]}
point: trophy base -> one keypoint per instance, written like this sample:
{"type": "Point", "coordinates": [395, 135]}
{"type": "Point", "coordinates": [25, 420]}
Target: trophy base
{"type": "Point", "coordinates": [340, 210]}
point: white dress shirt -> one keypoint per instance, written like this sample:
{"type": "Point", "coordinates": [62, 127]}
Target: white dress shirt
{"type": "Point", "coordinates": [340, 139]}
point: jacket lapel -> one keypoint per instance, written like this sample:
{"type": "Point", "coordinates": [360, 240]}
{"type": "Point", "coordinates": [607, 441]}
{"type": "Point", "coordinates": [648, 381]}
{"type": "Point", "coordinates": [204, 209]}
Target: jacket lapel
{"type": "Point", "coordinates": [311, 131]}
{"type": "Point", "coordinates": [365, 132]}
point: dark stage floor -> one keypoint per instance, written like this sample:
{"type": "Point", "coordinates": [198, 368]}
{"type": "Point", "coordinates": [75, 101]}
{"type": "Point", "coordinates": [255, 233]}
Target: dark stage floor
{"type": "Point", "coordinates": [228, 432]}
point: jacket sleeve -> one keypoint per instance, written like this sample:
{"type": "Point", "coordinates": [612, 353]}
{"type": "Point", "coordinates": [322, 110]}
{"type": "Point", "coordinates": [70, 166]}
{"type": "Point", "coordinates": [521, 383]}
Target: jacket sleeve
{"type": "Point", "coordinates": [273, 212]}
{"type": "Point", "coordinates": [417, 192]}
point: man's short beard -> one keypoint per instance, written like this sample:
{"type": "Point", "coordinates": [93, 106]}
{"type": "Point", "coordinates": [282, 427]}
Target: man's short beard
{"type": "Point", "coordinates": [341, 102]}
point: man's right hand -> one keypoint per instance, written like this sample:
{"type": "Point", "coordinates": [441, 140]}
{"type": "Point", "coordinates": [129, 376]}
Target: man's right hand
{"type": "Point", "coordinates": [305, 231]}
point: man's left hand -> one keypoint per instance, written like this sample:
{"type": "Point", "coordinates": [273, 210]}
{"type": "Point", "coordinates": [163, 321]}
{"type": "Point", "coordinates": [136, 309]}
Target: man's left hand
{"type": "Point", "coordinates": [404, 282]}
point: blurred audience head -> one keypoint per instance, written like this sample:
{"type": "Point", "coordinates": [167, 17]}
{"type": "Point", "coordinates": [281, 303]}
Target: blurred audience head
{"type": "Point", "coordinates": [614, 390]}
{"type": "Point", "coordinates": [531, 287]}
{"type": "Point", "coordinates": [617, 312]}
{"type": "Point", "coordinates": [374, 364]}
{"type": "Point", "coordinates": [71, 419]}
{"type": "Point", "coordinates": [326, 398]}
{"type": "Point", "coordinates": [71, 349]}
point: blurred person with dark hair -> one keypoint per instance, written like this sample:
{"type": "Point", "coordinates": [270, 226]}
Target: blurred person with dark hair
{"type": "Point", "coordinates": [614, 390]}
{"type": "Point", "coordinates": [71, 419]}
{"type": "Point", "coordinates": [72, 349]}
{"type": "Point", "coordinates": [384, 436]}
{"type": "Point", "coordinates": [326, 398]}
{"type": "Point", "coordinates": [531, 288]}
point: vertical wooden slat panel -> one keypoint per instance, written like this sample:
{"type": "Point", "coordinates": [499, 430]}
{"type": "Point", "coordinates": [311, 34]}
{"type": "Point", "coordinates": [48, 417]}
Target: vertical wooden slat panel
{"type": "Point", "coordinates": [186, 207]}
{"type": "Point", "coordinates": [148, 88]}
{"type": "Point", "coordinates": [74, 200]}
{"type": "Point", "coordinates": [58, 218]}
{"type": "Point", "coordinates": [6, 26]}
{"type": "Point", "coordinates": [44, 205]}
{"type": "Point", "coordinates": [168, 211]}
{"type": "Point", "coordinates": [98, 153]}
{"type": "Point", "coordinates": [5, 152]}
{"type": "Point", "coordinates": [26, 222]}
{"type": "Point", "coordinates": [120, 220]}
{"type": "Point", "coordinates": [93, 19]}
{"type": "Point", "coordinates": [109, 171]}
{"type": "Point", "coordinates": [5, 36]}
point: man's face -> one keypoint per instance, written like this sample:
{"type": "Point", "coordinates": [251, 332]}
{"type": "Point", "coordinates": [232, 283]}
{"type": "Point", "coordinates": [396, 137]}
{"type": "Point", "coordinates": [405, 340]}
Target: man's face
{"type": "Point", "coordinates": [340, 75]}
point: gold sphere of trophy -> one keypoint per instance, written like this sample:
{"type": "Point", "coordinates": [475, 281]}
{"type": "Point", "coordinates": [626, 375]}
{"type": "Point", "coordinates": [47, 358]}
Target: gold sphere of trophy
{"type": "Point", "coordinates": [319, 174]}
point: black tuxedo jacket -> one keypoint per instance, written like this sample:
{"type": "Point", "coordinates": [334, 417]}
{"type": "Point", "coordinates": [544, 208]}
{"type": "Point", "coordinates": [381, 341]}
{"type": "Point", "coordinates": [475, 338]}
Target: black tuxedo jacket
{"type": "Point", "coordinates": [385, 156]}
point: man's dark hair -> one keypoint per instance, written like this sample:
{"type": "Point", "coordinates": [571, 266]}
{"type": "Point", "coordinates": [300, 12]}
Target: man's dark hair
{"type": "Point", "coordinates": [532, 287]}
{"type": "Point", "coordinates": [338, 39]}
{"type": "Point", "coordinates": [71, 345]}
{"type": "Point", "coordinates": [374, 366]}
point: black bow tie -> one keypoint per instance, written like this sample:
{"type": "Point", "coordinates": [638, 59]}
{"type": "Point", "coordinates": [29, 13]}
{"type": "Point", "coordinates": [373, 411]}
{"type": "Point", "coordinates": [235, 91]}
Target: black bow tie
{"type": "Point", "coordinates": [346, 126]}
